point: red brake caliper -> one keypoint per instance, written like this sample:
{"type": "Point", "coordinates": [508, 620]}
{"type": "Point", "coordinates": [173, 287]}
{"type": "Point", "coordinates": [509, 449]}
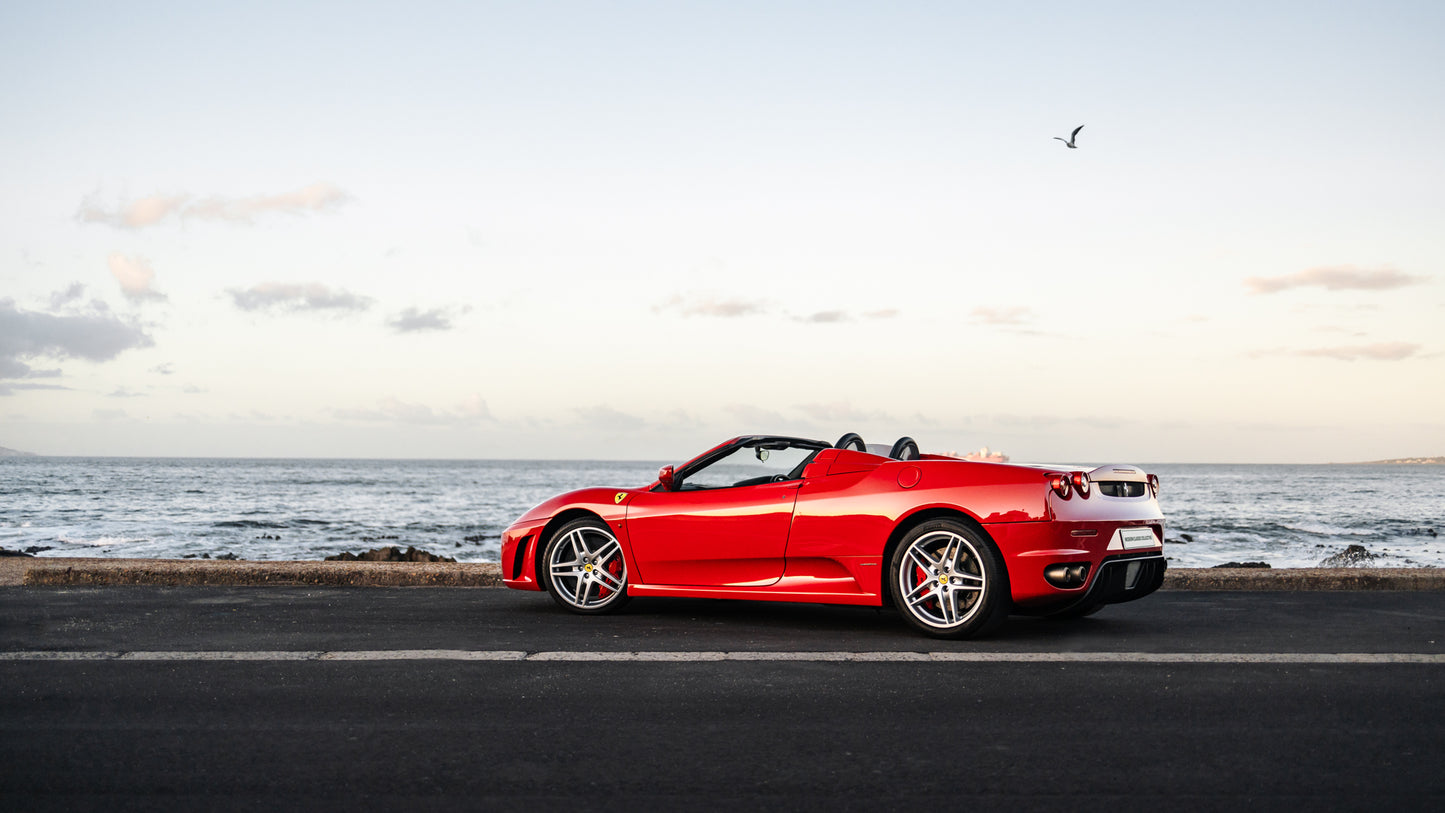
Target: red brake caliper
{"type": "Point", "coordinates": [920, 576]}
{"type": "Point", "coordinates": [615, 568]}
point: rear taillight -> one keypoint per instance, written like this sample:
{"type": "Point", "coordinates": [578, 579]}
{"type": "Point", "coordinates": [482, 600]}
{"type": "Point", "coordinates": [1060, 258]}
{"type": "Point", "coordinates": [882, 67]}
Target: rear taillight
{"type": "Point", "coordinates": [1060, 484]}
{"type": "Point", "coordinates": [1154, 485]}
{"type": "Point", "coordinates": [1080, 481]}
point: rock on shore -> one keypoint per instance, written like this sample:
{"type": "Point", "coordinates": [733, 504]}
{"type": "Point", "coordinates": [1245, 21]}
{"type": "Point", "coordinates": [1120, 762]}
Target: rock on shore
{"type": "Point", "coordinates": [1352, 556]}
{"type": "Point", "coordinates": [390, 553]}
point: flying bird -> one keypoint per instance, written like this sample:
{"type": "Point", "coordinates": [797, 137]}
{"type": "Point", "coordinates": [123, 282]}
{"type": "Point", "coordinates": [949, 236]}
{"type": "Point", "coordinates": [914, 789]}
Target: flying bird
{"type": "Point", "coordinates": [1070, 142]}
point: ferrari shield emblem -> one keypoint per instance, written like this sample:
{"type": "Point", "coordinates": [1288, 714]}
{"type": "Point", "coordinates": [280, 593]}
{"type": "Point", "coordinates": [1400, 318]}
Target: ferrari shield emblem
{"type": "Point", "coordinates": [621, 495]}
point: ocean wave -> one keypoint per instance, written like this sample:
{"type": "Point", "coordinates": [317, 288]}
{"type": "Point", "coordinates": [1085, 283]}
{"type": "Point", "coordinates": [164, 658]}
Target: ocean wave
{"type": "Point", "coordinates": [346, 482]}
{"type": "Point", "coordinates": [100, 541]}
{"type": "Point", "coordinates": [1329, 530]}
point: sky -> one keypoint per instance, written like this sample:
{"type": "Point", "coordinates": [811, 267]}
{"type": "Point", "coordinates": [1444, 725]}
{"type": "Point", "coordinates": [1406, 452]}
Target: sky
{"type": "Point", "coordinates": [631, 230]}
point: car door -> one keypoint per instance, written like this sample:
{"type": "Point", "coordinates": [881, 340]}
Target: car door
{"type": "Point", "coordinates": [724, 537]}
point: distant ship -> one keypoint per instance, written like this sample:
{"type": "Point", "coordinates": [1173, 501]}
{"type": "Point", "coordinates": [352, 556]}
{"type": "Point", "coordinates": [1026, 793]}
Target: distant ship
{"type": "Point", "coordinates": [984, 455]}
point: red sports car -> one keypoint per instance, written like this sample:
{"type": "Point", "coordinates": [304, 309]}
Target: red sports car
{"type": "Point", "coordinates": [955, 545]}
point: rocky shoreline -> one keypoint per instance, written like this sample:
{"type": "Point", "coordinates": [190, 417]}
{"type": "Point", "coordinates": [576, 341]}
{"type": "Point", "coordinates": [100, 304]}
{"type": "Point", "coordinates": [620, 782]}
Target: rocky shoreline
{"type": "Point", "coordinates": [33, 571]}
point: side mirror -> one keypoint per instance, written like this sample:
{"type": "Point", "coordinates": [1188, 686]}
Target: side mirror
{"type": "Point", "coordinates": [664, 476]}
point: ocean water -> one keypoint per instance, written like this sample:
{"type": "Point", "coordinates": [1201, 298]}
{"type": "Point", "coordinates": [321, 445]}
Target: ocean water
{"type": "Point", "coordinates": [1288, 516]}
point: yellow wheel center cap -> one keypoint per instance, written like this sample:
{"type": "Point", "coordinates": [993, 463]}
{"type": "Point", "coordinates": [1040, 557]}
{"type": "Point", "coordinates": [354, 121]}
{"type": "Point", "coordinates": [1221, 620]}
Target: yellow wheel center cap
{"type": "Point", "coordinates": [943, 579]}
{"type": "Point", "coordinates": [587, 568]}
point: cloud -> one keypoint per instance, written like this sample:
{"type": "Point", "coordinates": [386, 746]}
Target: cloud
{"type": "Point", "coordinates": [839, 316]}
{"type": "Point", "coordinates": [151, 210]}
{"type": "Point", "coordinates": [732, 308]}
{"type": "Point", "coordinates": [134, 215]}
{"type": "Point", "coordinates": [394, 410]}
{"type": "Point", "coordinates": [754, 417]}
{"type": "Point", "coordinates": [9, 387]}
{"type": "Point", "coordinates": [317, 197]}
{"type": "Point", "coordinates": [135, 277]}
{"type": "Point", "coordinates": [12, 368]}
{"type": "Point", "coordinates": [474, 408]}
{"type": "Point", "coordinates": [1002, 316]}
{"type": "Point", "coordinates": [310, 296]}
{"type": "Point", "coordinates": [67, 295]}
{"type": "Point", "coordinates": [681, 419]}
{"type": "Point", "coordinates": [607, 419]}
{"type": "Point", "coordinates": [1384, 351]}
{"type": "Point", "coordinates": [841, 412]}
{"type": "Point", "coordinates": [711, 306]}
{"type": "Point", "coordinates": [164, 369]}
{"type": "Point", "coordinates": [414, 320]}
{"type": "Point", "coordinates": [24, 334]}
{"type": "Point", "coordinates": [1335, 278]}
{"type": "Point", "coordinates": [27, 372]}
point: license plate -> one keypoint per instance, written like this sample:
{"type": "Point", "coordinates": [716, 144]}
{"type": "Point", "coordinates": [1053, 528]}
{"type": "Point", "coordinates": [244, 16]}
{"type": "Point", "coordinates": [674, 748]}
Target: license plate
{"type": "Point", "coordinates": [1132, 538]}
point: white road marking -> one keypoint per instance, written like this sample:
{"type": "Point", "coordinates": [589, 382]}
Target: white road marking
{"type": "Point", "coordinates": [276, 655]}
{"type": "Point", "coordinates": [424, 655]}
{"type": "Point", "coordinates": [710, 656]}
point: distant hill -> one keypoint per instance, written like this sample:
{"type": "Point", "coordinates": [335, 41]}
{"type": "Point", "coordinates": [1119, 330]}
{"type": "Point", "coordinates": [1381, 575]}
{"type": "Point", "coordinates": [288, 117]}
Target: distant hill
{"type": "Point", "coordinates": [1438, 460]}
{"type": "Point", "coordinates": [4, 452]}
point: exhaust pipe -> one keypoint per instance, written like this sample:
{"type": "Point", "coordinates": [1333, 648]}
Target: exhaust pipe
{"type": "Point", "coordinates": [1067, 576]}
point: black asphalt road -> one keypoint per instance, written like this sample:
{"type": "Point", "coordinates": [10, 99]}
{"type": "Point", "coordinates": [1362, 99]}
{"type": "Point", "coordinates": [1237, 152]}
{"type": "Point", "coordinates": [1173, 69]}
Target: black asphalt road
{"type": "Point", "coordinates": [540, 735]}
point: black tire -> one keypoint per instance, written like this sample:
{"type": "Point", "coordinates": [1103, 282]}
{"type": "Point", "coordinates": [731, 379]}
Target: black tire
{"type": "Point", "coordinates": [851, 439]}
{"type": "Point", "coordinates": [949, 581]}
{"type": "Point", "coordinates": [904, 449]}
{"type": "Point", "coordinates": [583, 568]}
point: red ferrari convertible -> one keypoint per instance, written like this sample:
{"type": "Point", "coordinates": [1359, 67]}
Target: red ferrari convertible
{"type": "Point", "coordinates": [955, 545]}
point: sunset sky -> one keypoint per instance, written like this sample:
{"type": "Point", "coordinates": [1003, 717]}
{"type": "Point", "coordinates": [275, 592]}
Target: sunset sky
{"type": "Point", "coordinates": [634, 229]}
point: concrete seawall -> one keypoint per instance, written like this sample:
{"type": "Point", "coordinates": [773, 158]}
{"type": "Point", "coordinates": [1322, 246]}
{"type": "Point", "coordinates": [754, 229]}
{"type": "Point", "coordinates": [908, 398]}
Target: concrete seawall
{"type": "Point", "coordinates": [179, 572]}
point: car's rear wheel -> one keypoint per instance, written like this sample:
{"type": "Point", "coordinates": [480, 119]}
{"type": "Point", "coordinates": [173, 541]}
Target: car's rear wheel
{"type": "Point", "coordinates": [583, 568]}
{"type": "Point", "coordinates": [949, 581]}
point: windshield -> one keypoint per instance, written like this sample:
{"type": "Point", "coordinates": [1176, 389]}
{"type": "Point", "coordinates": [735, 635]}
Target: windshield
{"type": "Point", "coordinates": [753, 464]}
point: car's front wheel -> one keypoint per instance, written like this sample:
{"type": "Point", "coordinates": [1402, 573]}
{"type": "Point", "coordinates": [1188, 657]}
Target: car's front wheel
{"type": "Point", "coordinates": [584, 569]}
{"type": "Point", "coordinates": [949, 581]}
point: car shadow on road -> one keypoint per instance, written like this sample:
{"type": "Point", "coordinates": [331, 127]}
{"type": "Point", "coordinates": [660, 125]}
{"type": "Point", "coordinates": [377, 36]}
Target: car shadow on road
{"type": "Point", "coordinates": [722, 624]}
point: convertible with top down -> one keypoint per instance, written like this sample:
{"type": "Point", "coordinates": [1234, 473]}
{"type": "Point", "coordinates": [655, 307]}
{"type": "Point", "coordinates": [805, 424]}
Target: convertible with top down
{"type": "Point", "coordinates": [954, 545]}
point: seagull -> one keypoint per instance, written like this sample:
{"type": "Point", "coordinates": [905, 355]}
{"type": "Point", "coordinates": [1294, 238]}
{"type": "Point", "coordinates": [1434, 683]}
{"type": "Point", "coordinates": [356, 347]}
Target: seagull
{"type": "Point", "coordinates": [1072, 136]}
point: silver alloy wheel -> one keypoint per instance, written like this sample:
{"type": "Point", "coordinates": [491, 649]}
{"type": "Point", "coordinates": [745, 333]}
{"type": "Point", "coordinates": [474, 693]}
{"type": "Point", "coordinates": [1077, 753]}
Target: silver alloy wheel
{"type": "Point", "coordinates": [586, 568]}
{"type": "Point", "coordinates": [942, 580]}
